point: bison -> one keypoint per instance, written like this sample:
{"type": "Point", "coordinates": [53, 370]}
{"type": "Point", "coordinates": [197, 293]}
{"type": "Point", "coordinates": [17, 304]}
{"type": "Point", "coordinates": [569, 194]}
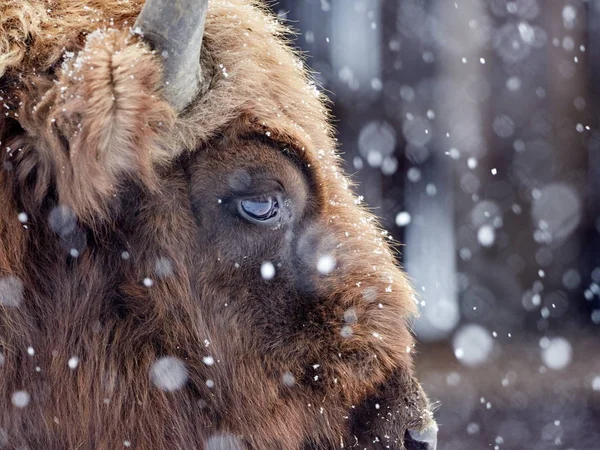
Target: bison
{"type": "Point", "coordinates": [183, 264]}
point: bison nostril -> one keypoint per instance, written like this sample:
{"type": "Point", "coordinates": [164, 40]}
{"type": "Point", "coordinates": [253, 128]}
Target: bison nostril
{"type": "Point", "coordinates": [421, 440]}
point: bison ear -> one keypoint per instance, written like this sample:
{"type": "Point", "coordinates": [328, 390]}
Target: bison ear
{"type": "Point", "coordinates": [106, 121]}
{"type": "Point", "coordinates": [421, 439]}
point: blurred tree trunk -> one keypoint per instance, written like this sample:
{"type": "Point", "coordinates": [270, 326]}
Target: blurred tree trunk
{"type": "Point", "coordinates": [457, 120]}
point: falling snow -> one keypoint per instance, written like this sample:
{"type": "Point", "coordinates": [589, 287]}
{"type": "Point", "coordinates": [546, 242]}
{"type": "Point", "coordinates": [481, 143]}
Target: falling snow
{"type": "Point", "coordinates": [403, 218]}
{"type": "Point", "coordinates": [73, 362]}
{"type": "Point", "coordinates": [169, 373]}
{"type": "Point", "coordinates": [556, 353]}
{"type": "Point", "coordinates": [326, 264]}
{"type": "Point", "coordinates": [473, 345]}
{"type": "Point", "coordinates": [11, 291]}
{"type": "Point", "coordinates": [20, 399]}
{"type": "Point", "coordinates": [267, 270]}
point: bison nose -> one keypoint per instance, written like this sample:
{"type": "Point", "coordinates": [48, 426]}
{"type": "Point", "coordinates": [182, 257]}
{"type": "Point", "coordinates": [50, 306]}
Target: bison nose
{"type": "Point", "coordinates": [421, 440]}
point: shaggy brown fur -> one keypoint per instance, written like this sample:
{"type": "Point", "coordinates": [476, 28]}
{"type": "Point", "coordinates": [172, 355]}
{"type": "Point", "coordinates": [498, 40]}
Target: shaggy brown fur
{"type": "Point", "coordinates": [118, 190]}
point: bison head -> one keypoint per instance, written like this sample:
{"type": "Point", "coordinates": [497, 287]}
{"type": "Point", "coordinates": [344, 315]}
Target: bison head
{"type": "Point", "coordinates": [182, 260]}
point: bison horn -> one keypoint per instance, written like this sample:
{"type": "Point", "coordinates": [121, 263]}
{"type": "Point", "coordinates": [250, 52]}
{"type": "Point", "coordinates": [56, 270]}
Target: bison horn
{"type": "Point", "coordinates": [175, 29]}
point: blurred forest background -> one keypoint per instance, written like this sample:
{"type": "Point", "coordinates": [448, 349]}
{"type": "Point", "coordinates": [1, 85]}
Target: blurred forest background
{"type": "Point", "coordinates": [471, 126]}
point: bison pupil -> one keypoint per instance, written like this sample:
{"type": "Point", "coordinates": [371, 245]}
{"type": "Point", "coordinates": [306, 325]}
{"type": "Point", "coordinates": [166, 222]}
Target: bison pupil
{"type": "Point", "coordinates": [259, 209]}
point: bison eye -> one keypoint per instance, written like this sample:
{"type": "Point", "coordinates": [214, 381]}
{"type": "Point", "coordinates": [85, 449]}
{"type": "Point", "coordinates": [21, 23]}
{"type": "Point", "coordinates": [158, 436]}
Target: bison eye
{"type": "Point", "coordinates": [263, 210]}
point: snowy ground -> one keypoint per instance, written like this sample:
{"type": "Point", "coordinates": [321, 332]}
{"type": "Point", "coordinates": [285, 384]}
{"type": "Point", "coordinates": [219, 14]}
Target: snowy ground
{"type": "Point", "coordinates": [514, 400]}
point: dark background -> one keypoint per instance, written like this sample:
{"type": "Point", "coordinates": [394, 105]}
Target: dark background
{"type": "Point", "coordinates": [471, 126]}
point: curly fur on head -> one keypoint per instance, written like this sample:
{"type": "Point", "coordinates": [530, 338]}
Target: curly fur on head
{"type": "Point", "coordinates": [249, 73]}
{"type": "Point", "coordinates": [103, 167]}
